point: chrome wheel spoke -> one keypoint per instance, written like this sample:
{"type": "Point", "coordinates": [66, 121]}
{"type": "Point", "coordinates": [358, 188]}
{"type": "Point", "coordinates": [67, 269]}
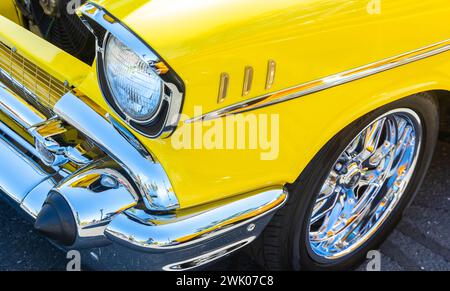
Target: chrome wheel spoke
{"type": "Point", "coordinates": [370, 177]}
{"type": "Point", "coordinates": [381, 153]}
{"type": "Point", "coordinates": [329, 187]}
{"type": "Point", "coordinates": [322, 208]}
{"type": "Point", "coordinates": [367, 198]}
{"type": "Point", "coordinates": [365, 184]}
{"type": "Point", "coordinates": [402, 144]}
{"type": "Point", "coordinates": [371, 138]}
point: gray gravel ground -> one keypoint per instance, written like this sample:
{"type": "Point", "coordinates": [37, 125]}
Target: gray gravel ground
{"type": "Point", "coordinates": [420, 242]}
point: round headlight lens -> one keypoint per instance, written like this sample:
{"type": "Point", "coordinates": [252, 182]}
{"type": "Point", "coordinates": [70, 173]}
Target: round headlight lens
{"type": "Point", "coordinates": [135, 87]}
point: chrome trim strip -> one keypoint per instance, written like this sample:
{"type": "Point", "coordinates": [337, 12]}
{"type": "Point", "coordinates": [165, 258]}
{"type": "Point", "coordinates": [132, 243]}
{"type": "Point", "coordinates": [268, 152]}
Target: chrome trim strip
{"type": "Point", "coordinates": [18, 110]}
{"type": "Point", "coordinates": [208, 257]}
{"type": "Point", "coordinates": [149, 176]}
{"type": "Point", "coordinates": [157, 232]}
{"type": "Point", "coordinates": [327, 82]}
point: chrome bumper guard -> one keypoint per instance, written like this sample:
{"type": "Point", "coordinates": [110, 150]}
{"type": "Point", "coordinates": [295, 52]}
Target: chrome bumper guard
{"type": "Point", "coordinates": [114, 230]}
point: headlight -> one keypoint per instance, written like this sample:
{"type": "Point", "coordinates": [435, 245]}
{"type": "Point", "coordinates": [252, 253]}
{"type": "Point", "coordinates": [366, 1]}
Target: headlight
{"type": "Point", "coordinates": [136, 82]}
{"type": "Point", "coordinates": [135, 86]}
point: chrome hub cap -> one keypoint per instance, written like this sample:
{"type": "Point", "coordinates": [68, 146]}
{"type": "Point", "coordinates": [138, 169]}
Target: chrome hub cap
{"type": "Point", "coordinates": [365, 184]}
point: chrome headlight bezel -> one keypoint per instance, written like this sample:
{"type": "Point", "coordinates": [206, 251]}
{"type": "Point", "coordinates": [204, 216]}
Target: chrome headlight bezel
{"type": "Point", "coordinates": [103, 26]}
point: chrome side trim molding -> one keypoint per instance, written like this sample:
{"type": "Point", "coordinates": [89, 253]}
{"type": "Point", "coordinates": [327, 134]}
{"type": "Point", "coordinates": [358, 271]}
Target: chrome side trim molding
{"type": "Point", "coordinates": [328, 82]}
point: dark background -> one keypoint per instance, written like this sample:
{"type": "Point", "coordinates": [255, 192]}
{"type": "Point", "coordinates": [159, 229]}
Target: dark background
{"type": "Point", "coordinates": [420, 242]}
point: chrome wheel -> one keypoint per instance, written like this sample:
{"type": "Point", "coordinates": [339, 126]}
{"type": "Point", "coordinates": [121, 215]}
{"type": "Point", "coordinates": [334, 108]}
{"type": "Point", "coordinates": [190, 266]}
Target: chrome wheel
{"type": "Point", "coordinates": [365, 184]}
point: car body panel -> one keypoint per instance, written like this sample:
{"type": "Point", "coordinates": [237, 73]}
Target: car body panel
{"type": "Point", "coordinates": [308, 40]}
{"type": "Point", "coordinates": [8, 10]}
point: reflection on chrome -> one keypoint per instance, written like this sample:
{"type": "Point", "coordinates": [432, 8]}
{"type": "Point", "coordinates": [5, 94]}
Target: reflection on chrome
{"type": "Point", "coordinates": [365, 184]}
{"type": "Point", "coordinates": [95, 194]}
{"type": "Point", "coordinates": [209, 257]}
{"type": "Point", "coordinates": [149, 176]}
{"type": "Point", "coordinates": [134, 227]}
{"type": "Point", "coordinates": [19, 111]}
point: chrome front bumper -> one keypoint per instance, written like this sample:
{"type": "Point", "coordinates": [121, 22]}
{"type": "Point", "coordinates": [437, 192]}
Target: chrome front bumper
{"type": "Point", "coordinates": [110, 198]}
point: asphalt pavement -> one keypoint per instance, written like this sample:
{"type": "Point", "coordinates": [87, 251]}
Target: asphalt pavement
{"type": "Point", "coordinates": [420, 242]}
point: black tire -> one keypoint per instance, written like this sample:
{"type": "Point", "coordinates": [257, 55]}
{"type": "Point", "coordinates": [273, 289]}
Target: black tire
{"type": "Point", "coordinates": [284, 243]}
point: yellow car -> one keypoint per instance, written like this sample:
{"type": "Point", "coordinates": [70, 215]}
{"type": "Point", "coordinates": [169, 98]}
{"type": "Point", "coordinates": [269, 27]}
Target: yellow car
{"type": "Point", "coordinates": [166, 134]}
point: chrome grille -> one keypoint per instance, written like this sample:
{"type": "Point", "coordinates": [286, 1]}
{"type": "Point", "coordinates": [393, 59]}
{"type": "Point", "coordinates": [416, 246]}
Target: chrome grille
{"type": "Point", "coordinates": [32, 81]}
